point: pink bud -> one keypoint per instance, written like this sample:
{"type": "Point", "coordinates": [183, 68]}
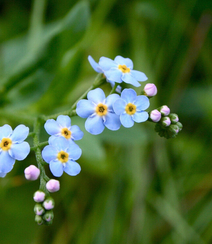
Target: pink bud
{"type": "Point", "coordinates": [165, 110]}
{"type": "Point", "coordinates": [48, 204]}
{"type": "Point", "coordinates": [150, 89]}
{"type": "Point", "coordinates": [53, 185]}
{"type": "Point", "coordinates": [166, 121]}
{"type": "Point", "coordinates": [39, 196]}
{"type": "Point", "coordinates": [32, 172]}
{"type": "Point", "coordinates": [155, 115]}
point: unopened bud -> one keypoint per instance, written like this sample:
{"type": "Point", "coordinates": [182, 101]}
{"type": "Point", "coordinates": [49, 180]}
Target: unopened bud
{"type": "Point", "coordinates": [166, 121]}
{"type": "Point", "coordinates": [155, 115]}
{"type": "Point", "coordinates": [38, 209]}
{"type": "Point", "coordinates": [38, 219]}
{"type": "Point", "coordinates": [48, 216]}
{"type": "Point", "coordinates": [150, 90]}
{"type": "Point", "coordinates": [180, 126]}
{"type": "Point", "coordinates": [174, 129]}
{"type": "Point", "coordinates": [32, 172]}
{"type": "Point", "coordinates": [39, 196]}
{"type": "Point", "coordinates": [165, 110]}
{"type": "Point", "coordinates": [48, 203]}
{"type": "Point", "coordinates": [53, 185]}
{"type": "Point", "coordinates": [174, 118]}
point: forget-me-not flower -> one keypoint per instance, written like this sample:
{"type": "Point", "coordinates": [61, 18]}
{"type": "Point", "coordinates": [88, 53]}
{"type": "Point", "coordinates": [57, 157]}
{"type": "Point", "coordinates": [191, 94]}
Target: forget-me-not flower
{"type": "Point", "coordinates": [130, 108]}
{"type": "Point", "coordinates": [12, 146]}
{"type": "Point", "coordinates": [121, 70]}
{"type": "Point", "coordinates": [99, 111]}
{"type": "Point", "coordinates": [62, 127]}
{"type": "Point", "coordinates": [61, 154]}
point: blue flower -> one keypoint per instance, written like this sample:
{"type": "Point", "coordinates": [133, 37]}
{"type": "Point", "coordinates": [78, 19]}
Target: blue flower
{"type": "Point", "coordinates": [12, 146]}
{"type": "Point", "coordinates": [99, 112]}
{"type": "Point", "coordinates": [121, 70]}
{"type": "Point", "coordinates": [130, 108]}
{"type": "Point", "coordinates": [62, 127]}
{"type": "Point", "coordinates": [61, 154]}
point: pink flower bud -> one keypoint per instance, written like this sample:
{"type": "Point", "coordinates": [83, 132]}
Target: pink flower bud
{"type": "Point", "coordinates": [150, 89]}
{"type": "Point", "coordinates": [166, 121]}
{"type": "Point", "coordinates": [38, 209]}
{"type": "Point", "coordinates": [39, 196]}
{"type": "Point", "coordinates": [155, 115]}
{"type": "Point", "coordinates": [32, 172]}
{"type": "Point", "coordinates": [53, 185]}
{"type": "Point", "coordinates": [48, 204]}
{"type": "Point", "coordinates": [165, 110]}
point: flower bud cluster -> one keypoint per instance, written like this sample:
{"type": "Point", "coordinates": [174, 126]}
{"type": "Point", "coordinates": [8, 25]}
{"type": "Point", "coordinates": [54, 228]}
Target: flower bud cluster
{"type": "Point", "coordinates": [168, 124]}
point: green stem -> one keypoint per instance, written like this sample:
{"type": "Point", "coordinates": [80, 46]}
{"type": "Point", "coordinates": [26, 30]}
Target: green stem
{"type": "Point", "coordinates": [114, 88]}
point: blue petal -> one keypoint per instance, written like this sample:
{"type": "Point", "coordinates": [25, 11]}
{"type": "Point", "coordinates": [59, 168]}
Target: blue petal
{"type": "Point", "coordinates": [85, 108]}
{"type": "Point", "coordinates": [94, 125]}
{"type": "Point", "coordinates": [129, 95]}
{"type": "Point", "coordinates": [120, 60]}
{"type": "Point", "coordinates": [114, 75]}
{"type": "Point", "coordinates": [56, 168]}
{"type": "Point", "coordinates": [6, 162]}
{"type": "Point", "coordinates": [76, 133]}
{"type": "Point", "coordinates": [5, 131]}
{"type": "Point", "coordinates": [2, 174]}
{"type": "Point", "coordinates": [20, 133]}
{"type": "Point", "coordinates": [60, 143]}
{"type": "Point", "coordinates": [129, 79]}
{"type": "Point", "coordinates": [110, 100]}
{"type": "Point", "coordinates": [112, 121]}
{"type": "Point", "coordinates": [72, 168]}
{"type": "Point", "coordinates": [52, 127]}
{"type": "Point", "coordinates": [106, 63]}
{"type": "Point", "coordinates": [126, 120]}
{"type": "Point", "coordinates": [49, 153]}
{"type": "Point", "coordinates": [119, 106]}
{"type": "Point", "coordinates": [64, 121]}
{"type": "Point", "coordinates": [94, 65]}
{"type": "Point", "coordinates": [141, 102]}
{"type": "Point", "coordinates": [140, 116]}
{"type": "Point", "coordinates": [140, 76]}
{"type": "Point", "coordinates": [74, 151]}
{"type": "Point", "coordinates": [97, 95]}
{"type": "Point", "coordinates": [19, 151]}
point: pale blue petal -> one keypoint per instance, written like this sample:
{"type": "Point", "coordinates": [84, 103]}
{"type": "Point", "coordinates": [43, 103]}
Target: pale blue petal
{"type": "Point", "coordinates": [141, 102]}
{"type": "Point", "coordinates": [6, 162]}
{"type": "Point", "coordinates": [139, 76]}
{"type": "Point", "coordinates": [129, 95]}
{"type": "Point", "coordinates": [56, 167]}
{"type": "Point", "coordinates": [119, 106]}
{"type": "Point", "coordinates": [64, 121]}
{"type": "Point", "coordinates": [5, 131]}
{"type": "Point", "coordinates": [120, 60]}
{"type": "Point", "coordinates": [97, 95]}
{"type": "Point", "coordinates": [19, 151]}
{"type": "Point", "coordinates": [60, 143]}
{"type": "Point", "coordinates": [94, 65]}
{"type": "Point", "coordinates": [72, 168]}
{"type": "Point", "coordinates": [126, 120]}
{"type": "Point", "coordinates": [49, 153]}
{"type": "Point", "coordinates": [2, 174]}
{"type": "Point", "coordinates": [52, 127]}
{"type": "Point", "coordinates": [110, 100]}
{"type": "Point", "coordinates": [76, 133]}
{"type": "Point", "coordinates": [140, 116]}
{"type": "Point", "coordinates": [112, 121]}
{"type": "Point", "coordinates": [129, 79]}
{"type": "Point", "coordinates": [85, 108]}
{"type": "Point", "coordinates": [106, 63]}
{"type": "Point", "coordinates": [74, 151]}
{"type": "Point", "coordinates": [94, 125]}
{"type": "Point", "coordinates": [20, 133]}
{"type": "Point", "coordinates": [114, 75]}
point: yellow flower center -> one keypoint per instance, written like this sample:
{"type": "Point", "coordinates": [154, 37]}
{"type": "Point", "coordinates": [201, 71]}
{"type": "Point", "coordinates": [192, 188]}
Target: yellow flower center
{"type": "Point", "coordinates": [6, 144]}
{"type": "Point", "coordinates": [101, 109]}
{"type": "Point", "coordinates": [124, 68]}
{"type": "Point", "coordinates": [66, 133]}
{"type": "Point", "coordinates": [130, 108]}
{"type": "Point", "coordinates": [62, 156]}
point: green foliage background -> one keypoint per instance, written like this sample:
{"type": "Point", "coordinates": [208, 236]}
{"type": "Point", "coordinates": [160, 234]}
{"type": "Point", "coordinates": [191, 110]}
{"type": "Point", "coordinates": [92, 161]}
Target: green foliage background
{"type": "Point", "coordinates": [135, 187]}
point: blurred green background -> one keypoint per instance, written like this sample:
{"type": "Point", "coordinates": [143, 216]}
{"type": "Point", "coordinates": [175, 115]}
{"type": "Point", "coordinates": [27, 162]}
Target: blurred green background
{"type": "Point", "coordinates": [134, 187]}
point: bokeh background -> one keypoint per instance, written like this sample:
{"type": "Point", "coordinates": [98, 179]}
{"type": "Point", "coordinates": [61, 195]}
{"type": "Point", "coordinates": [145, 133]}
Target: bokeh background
{"type": "Point", "coordinates": [134, 187]}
